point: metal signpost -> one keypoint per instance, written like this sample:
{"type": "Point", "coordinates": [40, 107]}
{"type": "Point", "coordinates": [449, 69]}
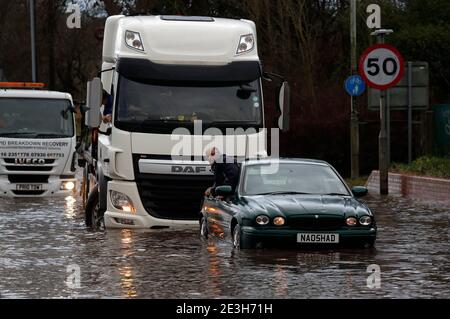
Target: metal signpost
{"type": "Point", "coordinates": [412, 93]}
{"type": "Point", "coordinates": [382, 67]}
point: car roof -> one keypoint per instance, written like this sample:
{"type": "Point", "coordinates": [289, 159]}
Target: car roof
{"type": "Point", "coordinates": [267, 161]}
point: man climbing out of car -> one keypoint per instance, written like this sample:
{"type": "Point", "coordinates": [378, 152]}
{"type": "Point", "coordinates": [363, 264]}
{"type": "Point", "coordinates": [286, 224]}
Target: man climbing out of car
{"type": "Point", "coordinates": [226, 170]}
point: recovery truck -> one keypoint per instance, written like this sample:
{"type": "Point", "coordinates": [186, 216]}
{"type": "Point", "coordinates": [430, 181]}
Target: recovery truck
{"type": "Point", "coordinates": [178, 85]}
{"type": "Point", "coordinates": [37, 141]}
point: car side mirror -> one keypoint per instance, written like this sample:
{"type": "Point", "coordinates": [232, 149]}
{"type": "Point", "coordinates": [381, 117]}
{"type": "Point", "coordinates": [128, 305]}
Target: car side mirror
{"type": "Point", "coordinates": [94, 102]}
{"type": "Point", "coordinates": [224, 191]}
{"type": "Point", "coordinates": [285, 107]}
{"type": "Point", "coordinates": [360, 191]}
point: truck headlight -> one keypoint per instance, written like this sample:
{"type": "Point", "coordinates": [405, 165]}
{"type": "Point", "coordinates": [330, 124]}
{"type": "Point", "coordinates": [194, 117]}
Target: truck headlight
{"type": "Point", "coordinates": [134, 41]}
{"type": "Point", "coordinates": [122, 202]}
{"type": "Point", "coordinates": [68, 186]}
{"type": "Point", "coordinates": [246, 43]}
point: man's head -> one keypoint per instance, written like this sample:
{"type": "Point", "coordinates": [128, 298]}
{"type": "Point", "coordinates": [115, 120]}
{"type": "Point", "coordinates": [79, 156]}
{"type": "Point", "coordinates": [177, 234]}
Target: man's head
{"type": "Point", "coordinates": [105, 97]}
{"type": "Point", "coordinates": [212, 154]}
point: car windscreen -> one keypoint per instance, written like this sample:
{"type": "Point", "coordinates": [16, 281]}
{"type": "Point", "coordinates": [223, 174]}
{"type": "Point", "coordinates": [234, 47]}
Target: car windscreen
{"type": "Point", "coordinates": [292, 178]}
{"type": "Point", "coordinates": [35, 118]}
{"type": "Point", "coordinates": [164, 107]}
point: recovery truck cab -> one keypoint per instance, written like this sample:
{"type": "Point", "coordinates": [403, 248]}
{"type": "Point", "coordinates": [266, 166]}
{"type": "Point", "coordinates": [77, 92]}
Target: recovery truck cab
{"type": "Point", "coordinates": [179, 85]}
{"type": "Point", "coordinates": [37, 141]}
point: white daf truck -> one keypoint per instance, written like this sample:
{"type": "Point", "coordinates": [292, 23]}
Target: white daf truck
{"type": "Point", "coordinates": [37, 141]}
{"type": "Point", "coordinates": [178, 85]}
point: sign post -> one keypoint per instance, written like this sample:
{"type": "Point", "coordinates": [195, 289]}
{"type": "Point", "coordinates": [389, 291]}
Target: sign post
{"type": "Point", "coordinates": [382, 67]}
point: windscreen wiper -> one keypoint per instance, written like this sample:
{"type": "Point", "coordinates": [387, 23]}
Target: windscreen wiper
{"type": "Point", "coordinates": [7, 134]}
{"type": "Point", "coordinates": [43, 135]}
{"type": "Point", "coordinates": [285, 193]}
{"type": "Point", "coordinates": [335, 194]}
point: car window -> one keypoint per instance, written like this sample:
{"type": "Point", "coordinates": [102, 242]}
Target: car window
{"type": "Point", "coordinates": [292, 177]}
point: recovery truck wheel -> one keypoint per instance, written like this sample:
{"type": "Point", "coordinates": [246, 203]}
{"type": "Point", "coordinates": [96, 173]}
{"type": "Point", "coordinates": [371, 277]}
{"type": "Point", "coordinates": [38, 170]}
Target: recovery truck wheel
{"type": "Point", "coordinates": [94, 216]}
{"type": "Point", "coordinates": [85, 186]}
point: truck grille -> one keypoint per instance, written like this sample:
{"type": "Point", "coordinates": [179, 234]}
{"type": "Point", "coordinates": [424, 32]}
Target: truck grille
{"type": "Point", "coordinates": [311, 222]}
{"type": "Point", "coordinates": [28, 193]}
{"type": "Point", "coordinates": [28, 179]}
{"type": "Point", "coordinates": [29, 168]}
{"type": "Point", "coordinates": [173, 197]}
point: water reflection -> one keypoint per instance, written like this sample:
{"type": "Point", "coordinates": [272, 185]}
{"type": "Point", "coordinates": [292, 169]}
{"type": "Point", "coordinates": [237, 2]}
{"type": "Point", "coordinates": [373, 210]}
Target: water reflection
{"type": "Point", "coordinates": [42, 237]}
{"type": "Point", "coordinates": [71, 207]}
{"type": "Point", "coordinates": [214, 273]}
{"type": "Point", "coordinates": [127, 271]}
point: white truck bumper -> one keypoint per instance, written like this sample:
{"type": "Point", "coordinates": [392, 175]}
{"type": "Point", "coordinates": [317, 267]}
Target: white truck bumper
{"type": "Point", "coordinates": [54, 187]}
{"type": "Point", "coordinates": [115, 218]}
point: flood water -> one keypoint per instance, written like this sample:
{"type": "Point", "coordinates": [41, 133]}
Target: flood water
{"type": "Point", "coordinates": [41, 241]}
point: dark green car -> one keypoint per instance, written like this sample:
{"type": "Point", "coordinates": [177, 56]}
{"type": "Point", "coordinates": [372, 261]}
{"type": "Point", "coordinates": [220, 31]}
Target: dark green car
{"type": "Point", "coordinates": [289, 202]}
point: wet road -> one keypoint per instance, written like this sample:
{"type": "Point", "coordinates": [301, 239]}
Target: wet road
{"type": "Point", "coordinates": [40, 241]}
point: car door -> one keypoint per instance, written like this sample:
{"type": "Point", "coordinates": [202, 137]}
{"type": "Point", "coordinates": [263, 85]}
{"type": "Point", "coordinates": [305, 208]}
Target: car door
{"type": "Point", "coordinates": [227, 211]}
{"type": "Point", "coordinates": [212, 211]}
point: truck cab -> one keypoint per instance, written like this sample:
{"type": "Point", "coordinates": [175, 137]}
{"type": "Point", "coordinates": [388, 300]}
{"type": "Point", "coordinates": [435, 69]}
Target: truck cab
{"type": "Point", "coordinates": [37, 141]}
{"type": "Point", "coordinates": [179, 85]}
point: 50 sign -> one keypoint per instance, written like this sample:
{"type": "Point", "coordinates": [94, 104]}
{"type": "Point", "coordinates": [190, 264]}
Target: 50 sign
{"type": "Point", "coordinates": [382, 66]}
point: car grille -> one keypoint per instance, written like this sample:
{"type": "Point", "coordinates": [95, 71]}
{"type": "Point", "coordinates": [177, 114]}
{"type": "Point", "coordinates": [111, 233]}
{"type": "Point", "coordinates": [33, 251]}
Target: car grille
{"type": "Point", "coordinates": [311, 222]}
{"type": "Point", "coordinates": [28, 179]}
{"type": "Point", "coordinates": [173, 197]}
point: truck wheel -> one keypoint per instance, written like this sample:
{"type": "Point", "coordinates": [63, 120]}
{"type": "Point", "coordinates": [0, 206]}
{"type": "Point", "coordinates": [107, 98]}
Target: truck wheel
{"type": "Point", "coordinates": [85, 186]}
{"type": "Point", "coordinates": [204, 228]}
{"type": "Point", "coordinates": [94, 217]}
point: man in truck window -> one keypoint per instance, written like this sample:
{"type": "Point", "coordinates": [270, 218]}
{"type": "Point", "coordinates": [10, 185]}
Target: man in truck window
{"type": "Point", "coordinates": [107, 102]}
{"type": "Point", "coordinates": [226, 171]}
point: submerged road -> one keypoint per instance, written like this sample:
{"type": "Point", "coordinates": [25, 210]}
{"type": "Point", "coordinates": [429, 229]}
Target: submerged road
{"type": "Point", "coordinates": [44, 242]}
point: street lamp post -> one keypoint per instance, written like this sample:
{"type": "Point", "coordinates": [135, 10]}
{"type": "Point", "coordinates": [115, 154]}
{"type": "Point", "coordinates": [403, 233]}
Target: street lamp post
{"type": "Point", "coordinates": [31, 7]}
{"type": "Point", "coordinates": [354, 120]}
{"type": "Point", "coordinates": [383, 137]}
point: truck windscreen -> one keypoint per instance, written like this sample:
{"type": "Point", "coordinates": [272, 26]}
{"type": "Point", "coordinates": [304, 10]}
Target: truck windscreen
{"type": "Point", "coordinates": [155, 108]}
{"type": "Point", "coordinates": [35, 118]}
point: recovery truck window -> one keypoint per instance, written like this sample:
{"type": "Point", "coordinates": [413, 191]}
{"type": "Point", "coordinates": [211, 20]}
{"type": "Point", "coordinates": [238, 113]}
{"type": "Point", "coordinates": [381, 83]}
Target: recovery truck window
{"type": "Point", "coordinates": [149, 107]}
{"type": "Point", "coordinates": [35, 118]}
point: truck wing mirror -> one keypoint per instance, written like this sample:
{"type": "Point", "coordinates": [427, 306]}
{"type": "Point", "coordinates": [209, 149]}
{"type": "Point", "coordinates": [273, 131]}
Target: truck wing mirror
{"type": "Point", "coordinates": [94, 102]}
{"type": "Point", "coordinates": [285, 107]}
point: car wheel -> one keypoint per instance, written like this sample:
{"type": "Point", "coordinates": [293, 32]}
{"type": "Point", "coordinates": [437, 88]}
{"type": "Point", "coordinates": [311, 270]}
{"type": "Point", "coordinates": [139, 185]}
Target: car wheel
{"type": "Point", "coordinates": [237, 237]}
{"type": "Point", "coordinates": [94, 217]}
{"type": "Point", "coordinates": [204, 228]}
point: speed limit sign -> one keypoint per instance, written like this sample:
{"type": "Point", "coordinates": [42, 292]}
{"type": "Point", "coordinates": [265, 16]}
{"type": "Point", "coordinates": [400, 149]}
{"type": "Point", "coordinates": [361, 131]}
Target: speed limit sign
{"type": "Point", "coordinates": [382, 66]}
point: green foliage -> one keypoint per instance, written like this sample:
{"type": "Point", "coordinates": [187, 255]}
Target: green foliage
{"type": "Point", "coordinates": [427, 166]}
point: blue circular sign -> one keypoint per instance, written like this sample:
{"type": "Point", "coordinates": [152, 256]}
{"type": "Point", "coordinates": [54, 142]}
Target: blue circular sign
{"type": "Point", "coordinates": [355, 85]}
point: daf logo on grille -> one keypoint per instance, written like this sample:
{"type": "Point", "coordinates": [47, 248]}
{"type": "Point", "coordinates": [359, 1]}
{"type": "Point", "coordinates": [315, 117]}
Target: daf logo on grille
{"type": "Point", "coordinates": [188, 169]}
{"type": "Point", "coordinates": [28, 161]}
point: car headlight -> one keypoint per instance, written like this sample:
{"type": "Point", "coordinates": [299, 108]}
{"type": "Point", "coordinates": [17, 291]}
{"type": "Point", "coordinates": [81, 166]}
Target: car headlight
{"type": "Point", "coordinates": [134, 40]}
{"type": "Point", "coordinates": [351, 221]}
{"type": "Point", "coordinates": [122, 202]}
{"type": "Point", "coordinates": [365, 220]}
{"type": "Point", "coordinates": [246, 43]}
{"type": "Point", "coordinates": [279, 221]}
{"type": "Point", "coordinates": [262, 220]}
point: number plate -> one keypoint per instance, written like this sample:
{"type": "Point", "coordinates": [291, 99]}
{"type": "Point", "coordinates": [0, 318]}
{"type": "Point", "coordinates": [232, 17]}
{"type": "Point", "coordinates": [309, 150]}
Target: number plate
{"type": "Point", "coordinates": [318, 238]}
{"type": "Point", "coordinates": [29, 187]}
